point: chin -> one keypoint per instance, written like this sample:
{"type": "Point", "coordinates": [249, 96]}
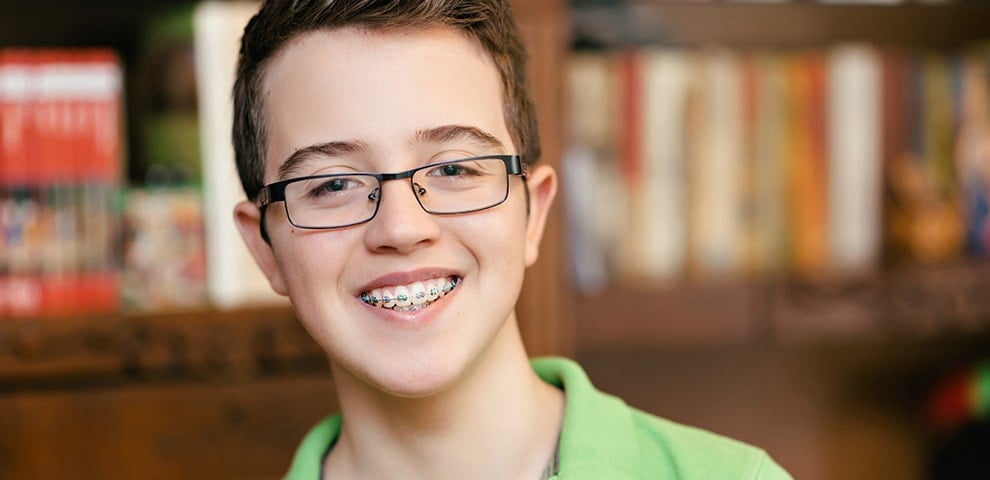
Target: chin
{"type": "Point", "coordinates": [416, 377]}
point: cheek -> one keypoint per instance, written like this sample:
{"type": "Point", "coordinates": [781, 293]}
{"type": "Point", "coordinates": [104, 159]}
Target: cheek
{"type": "Point", "coordinates": [498, 240]}
{"type": "Point", "coordinates": [309, 260]}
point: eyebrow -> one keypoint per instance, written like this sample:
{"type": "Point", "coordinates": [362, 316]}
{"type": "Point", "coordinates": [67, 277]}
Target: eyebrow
{"type": "Point", "coordinates": [327, 149]}
{"type": "Point", "coordinates": [437, 135]}
{"type": "Point", "coordinates": [447, 133]}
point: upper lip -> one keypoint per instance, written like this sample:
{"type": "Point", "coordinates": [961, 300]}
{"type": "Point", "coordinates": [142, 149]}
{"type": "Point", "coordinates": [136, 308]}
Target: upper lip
{"type": "Point", "coordinates": [407, 277]}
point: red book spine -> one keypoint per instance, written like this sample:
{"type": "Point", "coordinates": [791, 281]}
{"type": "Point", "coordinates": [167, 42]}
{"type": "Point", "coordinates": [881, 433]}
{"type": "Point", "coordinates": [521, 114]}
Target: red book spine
{"type": "Point", "coordinates": [16, 114]}
{"type": "Point", "coordinates": [630, 83]}
{"type": "Point", "coordinates": [6, 195]}
{"type": "Point", "coordinates": [5, 128]}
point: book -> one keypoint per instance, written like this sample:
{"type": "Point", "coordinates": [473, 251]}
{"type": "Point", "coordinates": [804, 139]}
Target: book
{"type": "Point", "coordinates": [61, 160]}
{"type": "Point", "coordinates": [769, 249]}
{"type": "Point", "coordinates": [937, 222]}
{"type": "Point", "coordinates": [592, 225]}
{"type": "Point", "coordinates": [663, 223]}
{"type": "Point", "coordinates": [896, 111]}
{"type": "Point", "coordinates": [972, 149]}
{"type": "Point", "coordinates": [807, 163]}
{"type": "Point", "coordinates": [591, 86]}
{"type": "Point", "coordinates": [629, 161]}
{"type": "Point", "coordinates": [715, 126]}
{"type": "Point", "coordinates": [233, 277]}
{"type": "Point", "coordinates": [854, 149]}
{"type": "Point", "coordinates": [164, 256]}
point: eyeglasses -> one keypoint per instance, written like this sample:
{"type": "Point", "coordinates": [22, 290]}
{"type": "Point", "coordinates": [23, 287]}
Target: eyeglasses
{"type": "Point", "coordinates": [339, 200]}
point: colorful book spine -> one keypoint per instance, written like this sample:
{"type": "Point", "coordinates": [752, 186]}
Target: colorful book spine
{"type": "Point", "coordinates": [61, 159]}
{"type": "Point", "coordinates": [809, 163]}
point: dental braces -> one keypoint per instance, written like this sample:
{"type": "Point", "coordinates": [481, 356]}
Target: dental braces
{"type": "Point", "coordinates": [433, 291]}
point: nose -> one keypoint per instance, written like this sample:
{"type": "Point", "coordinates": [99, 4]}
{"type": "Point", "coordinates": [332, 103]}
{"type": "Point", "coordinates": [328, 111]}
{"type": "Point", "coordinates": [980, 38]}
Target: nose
{"type": "Point", "coordinates": [401, 225]}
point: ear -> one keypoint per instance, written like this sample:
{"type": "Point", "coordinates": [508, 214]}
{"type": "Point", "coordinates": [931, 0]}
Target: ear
{"type": "Point", "coordinates": [542, 185]}
{"type": "Point", "coordinates": [248, 219]}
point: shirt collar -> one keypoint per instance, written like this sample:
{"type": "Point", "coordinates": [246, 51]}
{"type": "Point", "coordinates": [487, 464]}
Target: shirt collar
{"type": "Point", "coordinates": [598, 439]}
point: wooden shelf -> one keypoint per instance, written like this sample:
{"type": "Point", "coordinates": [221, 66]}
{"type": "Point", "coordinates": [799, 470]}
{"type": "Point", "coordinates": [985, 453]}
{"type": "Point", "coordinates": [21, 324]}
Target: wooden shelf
{"type": "Point", "coordinates": [209, 344]}
{"type": "Point", "coordinates": [162, 430]}
{"type": "Point", "coordinates": [651, 317]}
{"type": "Point", "coordinates": [914, 302]}
{"type": "Point", "coordinates": [782, 25]}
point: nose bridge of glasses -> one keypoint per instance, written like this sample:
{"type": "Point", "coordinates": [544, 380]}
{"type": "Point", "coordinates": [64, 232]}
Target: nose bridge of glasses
{"type": "Point", "coordinates": [416, 189]}
{"type": "Point", "coordinates": [385, 177]}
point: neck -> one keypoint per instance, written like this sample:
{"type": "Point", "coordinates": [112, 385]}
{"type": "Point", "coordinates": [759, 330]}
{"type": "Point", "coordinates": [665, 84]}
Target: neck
{"type": "Point", "coordinates": [498, 420]}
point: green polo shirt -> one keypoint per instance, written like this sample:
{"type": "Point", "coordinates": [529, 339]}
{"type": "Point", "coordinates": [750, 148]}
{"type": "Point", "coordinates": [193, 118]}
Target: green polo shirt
{"type": "Point", "coordinates": [603, 438]}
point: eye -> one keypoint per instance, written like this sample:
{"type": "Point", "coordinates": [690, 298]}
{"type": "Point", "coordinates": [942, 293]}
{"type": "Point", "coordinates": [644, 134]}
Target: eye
{"type": "Point", "coordinates": [332, 186]}
{"type": "Point", "coordinates": [451, 170]}
{"type": "Point", "coordinates": [459, 169]}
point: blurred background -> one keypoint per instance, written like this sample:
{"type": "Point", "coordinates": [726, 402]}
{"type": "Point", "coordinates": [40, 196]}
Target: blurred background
{"type": "Point", "coordinates": [773, 224]}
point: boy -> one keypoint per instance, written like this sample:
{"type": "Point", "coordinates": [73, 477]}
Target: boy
{"type": "Point", "coordinates": [388, 150]}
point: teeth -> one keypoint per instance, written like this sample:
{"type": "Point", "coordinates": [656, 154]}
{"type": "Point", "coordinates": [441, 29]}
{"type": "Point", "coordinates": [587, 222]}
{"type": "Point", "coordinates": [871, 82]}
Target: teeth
{"type": "Point", "coordinates": [418, 292]}
{"type": "Point", "coordinates": [402, 297]}
{"type": "Point", "coordinates": [388, 300]}
{"type": "Point", "coordinates": [410, 297]}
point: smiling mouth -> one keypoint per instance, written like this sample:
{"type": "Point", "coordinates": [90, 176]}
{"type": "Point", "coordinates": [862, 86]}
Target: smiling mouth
{"type": "Point", "coordinates": [412, 297]}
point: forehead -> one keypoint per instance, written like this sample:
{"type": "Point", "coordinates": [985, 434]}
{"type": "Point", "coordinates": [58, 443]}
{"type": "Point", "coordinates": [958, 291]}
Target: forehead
{"type": "Point", "coordinates": [376, 89]}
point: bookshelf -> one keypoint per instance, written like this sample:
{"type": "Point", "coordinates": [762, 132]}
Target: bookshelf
{"type": "Point", "coordinates": [207, 393]}
{"type": "Point", "coordinates": [203, 391]}
{"type": "Point", "coordinates": [828, 370]}
{"type": "Point", "coordinates": [908, 303]}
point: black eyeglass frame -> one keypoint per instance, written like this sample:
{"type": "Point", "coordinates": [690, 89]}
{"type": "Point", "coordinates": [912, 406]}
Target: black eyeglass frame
{"type": "Point", "coordinates": [275, 192]}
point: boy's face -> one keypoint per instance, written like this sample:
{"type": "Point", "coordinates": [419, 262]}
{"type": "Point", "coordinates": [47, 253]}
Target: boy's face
{"type": "Point", "coordinates": [394, 101]}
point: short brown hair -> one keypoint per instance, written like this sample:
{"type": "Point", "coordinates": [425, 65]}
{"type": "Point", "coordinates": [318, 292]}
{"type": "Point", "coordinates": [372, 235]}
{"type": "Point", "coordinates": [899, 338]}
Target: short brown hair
{"type": "Point", "coordinates": [490, 22]}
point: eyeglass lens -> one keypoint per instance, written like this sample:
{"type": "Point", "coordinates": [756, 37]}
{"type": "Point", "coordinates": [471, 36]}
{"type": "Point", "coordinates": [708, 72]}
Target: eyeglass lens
{"type": "Point", "coordinates": [446, 188]}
